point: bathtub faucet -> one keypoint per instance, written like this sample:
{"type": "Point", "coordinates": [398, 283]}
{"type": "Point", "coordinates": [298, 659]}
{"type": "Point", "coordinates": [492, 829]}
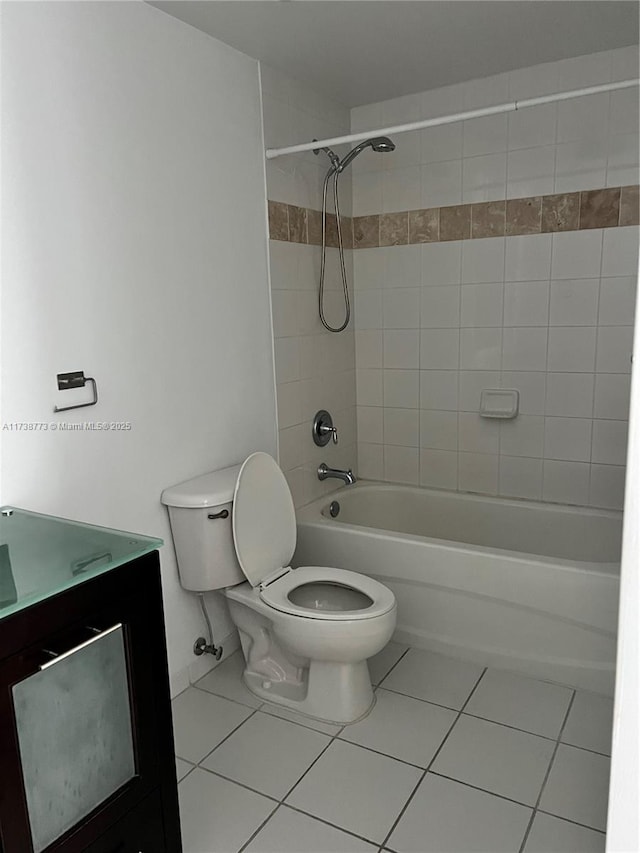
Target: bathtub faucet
{"type": "Point", "coordinates": [347, 477]}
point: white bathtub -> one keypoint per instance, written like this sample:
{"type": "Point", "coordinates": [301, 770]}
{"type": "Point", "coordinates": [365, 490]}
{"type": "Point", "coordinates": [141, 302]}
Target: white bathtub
{"type": "Point", "coordinates": [525, 586]}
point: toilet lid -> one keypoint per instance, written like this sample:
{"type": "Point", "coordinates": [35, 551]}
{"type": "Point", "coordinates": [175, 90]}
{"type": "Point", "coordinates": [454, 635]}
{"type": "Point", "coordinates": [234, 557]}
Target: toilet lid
{"type": "Point", "coordinates": [264, 518]}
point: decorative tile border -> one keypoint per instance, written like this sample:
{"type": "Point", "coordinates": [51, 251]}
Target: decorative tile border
{"type": "Point", "coordinates": [603, 208]}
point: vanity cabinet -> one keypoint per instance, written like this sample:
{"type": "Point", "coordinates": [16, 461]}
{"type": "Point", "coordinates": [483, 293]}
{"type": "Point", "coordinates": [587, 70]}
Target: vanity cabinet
{"type": "Point", "coordinates": [86, 741]}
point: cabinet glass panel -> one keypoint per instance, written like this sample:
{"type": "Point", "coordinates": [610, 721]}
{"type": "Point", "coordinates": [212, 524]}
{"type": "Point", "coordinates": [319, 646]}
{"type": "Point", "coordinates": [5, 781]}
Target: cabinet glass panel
{"type": "Point", "coordinates": [74, 730]}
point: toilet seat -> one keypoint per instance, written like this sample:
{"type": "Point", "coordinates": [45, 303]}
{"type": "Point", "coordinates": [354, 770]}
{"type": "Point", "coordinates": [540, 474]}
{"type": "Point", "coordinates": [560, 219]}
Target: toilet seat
{"type": "Point", "coordinates": [276, 594]}
{"type": "Point", "coordinates": [264, 534]}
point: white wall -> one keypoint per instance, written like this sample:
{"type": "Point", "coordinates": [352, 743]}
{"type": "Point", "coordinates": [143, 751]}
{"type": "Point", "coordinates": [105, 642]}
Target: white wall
{"type": "Point", "coordinates": [315, 369]}
{"type": "Point", "coordinates": [134, 240]}
{"type": "Point", "coordinates": [548, 314]}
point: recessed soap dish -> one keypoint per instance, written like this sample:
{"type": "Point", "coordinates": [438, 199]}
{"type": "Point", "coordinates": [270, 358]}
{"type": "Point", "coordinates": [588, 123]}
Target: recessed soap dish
{"type": "Point", "coordinates": [499, 403]}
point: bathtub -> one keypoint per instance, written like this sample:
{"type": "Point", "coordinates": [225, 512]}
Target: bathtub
{"type": "Point", "coordinates": [525, 586]}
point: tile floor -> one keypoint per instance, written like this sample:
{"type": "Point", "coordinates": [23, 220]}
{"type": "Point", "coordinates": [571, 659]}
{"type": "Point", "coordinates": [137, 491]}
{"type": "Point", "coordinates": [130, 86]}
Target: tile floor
{"type": "Point", "coordinates": [454, 758]}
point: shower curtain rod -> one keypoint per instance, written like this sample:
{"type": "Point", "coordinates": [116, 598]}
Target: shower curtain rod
{"type": "Point", "coordinates": [509, 107]}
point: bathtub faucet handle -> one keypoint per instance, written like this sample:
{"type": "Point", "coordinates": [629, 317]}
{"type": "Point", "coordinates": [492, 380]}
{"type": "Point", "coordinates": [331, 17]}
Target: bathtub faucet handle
{"type": "Point", "coordinates": [323, 429]}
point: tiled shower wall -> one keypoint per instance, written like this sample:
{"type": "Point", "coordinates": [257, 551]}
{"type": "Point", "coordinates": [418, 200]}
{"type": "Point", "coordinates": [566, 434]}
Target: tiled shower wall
{"type": "Point", "coordinates": [315, 369]}
{"type": "Point", "coordinates": [549, 314]}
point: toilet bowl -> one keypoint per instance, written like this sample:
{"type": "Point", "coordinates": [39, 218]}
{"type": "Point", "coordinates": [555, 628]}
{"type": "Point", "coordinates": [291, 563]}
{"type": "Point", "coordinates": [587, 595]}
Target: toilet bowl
{"type": "Point", "coordinates": [306, 633]}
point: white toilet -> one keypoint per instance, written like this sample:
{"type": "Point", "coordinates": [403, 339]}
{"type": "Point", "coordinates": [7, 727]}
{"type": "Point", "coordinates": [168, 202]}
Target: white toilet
{"type": "Point", "coordinates": [306, 633]}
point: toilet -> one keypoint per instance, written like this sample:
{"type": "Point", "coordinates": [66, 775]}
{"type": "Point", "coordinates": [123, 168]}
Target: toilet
{"type": "Point", "coordinates": [306, 633]}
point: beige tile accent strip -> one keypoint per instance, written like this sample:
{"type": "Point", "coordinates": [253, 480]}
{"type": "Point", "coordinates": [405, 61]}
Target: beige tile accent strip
{"type": "Point", "coordinates": [603, 208]}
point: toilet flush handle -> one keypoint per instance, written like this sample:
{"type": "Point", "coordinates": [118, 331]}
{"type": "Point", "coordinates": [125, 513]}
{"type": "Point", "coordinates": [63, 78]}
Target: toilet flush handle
{"type": "Point", "coordinates": [224, 513]}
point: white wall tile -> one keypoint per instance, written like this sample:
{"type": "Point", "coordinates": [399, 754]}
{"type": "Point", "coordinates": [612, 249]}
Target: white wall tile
{"type": "Point", "coordinates": [287, 359]}
{"type": "Point", "coordinates": [524, 349]}
{"type": "Point", "coordinates": [441, 184]}
{"type": "Point", "coordinates": [617, 301]}
{"type": "Point", "coordinates": [526, 303]}
{"type": "Point", "coordinates": [477, 434]}
{"type": "Point", "coordinates": [368, 269]}
{"type": "Point", "coordinates": [370, 424]}
{"type": "Point", "coordinates": [439, 469]}
{"type": "Point", "coordinates": [609, 442]}
{"type": "Point", "coordinates": [401, 348]}
{"type": "Point", "coordinates": [480, 349]}
{"type": "Point", "coordinates": [530, 171]}
{"type": "Point", "coordinates": [531, 387]}
{"type": "Point", "coordinates": [472, 383]}
{"type": "Point", "coordinates": [369, 387]}
{"type": "Point", "coordinates": [612, 392]}
{"type": "Point", "coordinates": [588, 70]}
{"type": "Point", "coordinates": [370, 461]}
{"type": "Point", "coordinates": [401, 189]}
{"type": "Point", "coordinates": [574, 302]}
{"type": "Point", "coordinates": [528, 258]}
{"type": "Point", "coordinates": [401, 308]}
{"type": "Point", "coordinates": [441, 263]}
{"type": "Point", "coordinates": [534, 81]}
{"type": "Point", "coordinates": [406, 153]}
{"type": "Point", "coordinates": [290, 442]}
{"type": "Point", "coordinates": [368, 309]}
{"type": "Point", "coordinates": [481, 305]}
{"type": "Point", "coordinates": [478, 472]}
{"type": "Point", "coordinates": [624, 63]}
{"type": "Point", "coordinates": [623, 160]}
{"type": "Point", "coordinates": [484, 178]}
{"type": "Point", "coordinates": [533, 127]}
{"type": "Point", "coordinates": [439, 389]}
{"type": "Point", "coordinates": [483, 260]}
{"type": "Point", "coordinates": [624, 116]}
{"type": "Point", "coordinates": [401, 426]}
{"type": "Point", "coordinates": [570, 395]}
{"type": "Point", "coordinates": [401, 464]}
{"type": "Point", "coordinates": [568, 439]}
{"type": "Point", "coordinates": [401, 266]}
{"type": "Point", "coordinates": [284, 305]}
{"type": "Point", "coordinates": [439, 430]}
{"type": "Point", "coordinates": [565, 482]}
{"type": "Point", "coordinates": [367, 193]}
{"type": "Point", "coordinates": [520, 477]}
{"type": "Point", "coordinates": [615, 346]}
{"type": "Point", "coordinates": [583, 118]}
{"type": "Point", "coordinates": [577, 254]}
{"type": "Point", "coordinates": [620, 251]}
{"type": "Point", "coordinates": [442, 143]}
{"type": "Point", "coordinates": [607, 486]}
{"type": "Point", "coordinates": [368, 348]}
{"type": "Point", "coordinates": [572, 349]}
{"type": "Point", "coordinates": [581, 165]}
{"type": "Point", "coordinates": [401, 388]}
{"type": "Point", "coordinates": [522, 436]}
{"type": "Point", "coordinates": [444, 343]}
{"type": "Point", "coordinates": [440, 307]}
{"type": "Point", "coordinates": [486, 135]}
{"type": "Point", "coordinates": [289, 406]}
{"type": "Point", "coordinates": [439, 349]}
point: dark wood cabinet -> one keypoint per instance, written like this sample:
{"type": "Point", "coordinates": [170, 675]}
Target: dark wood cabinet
{"type": "Point", "coordinates": [141, 816]}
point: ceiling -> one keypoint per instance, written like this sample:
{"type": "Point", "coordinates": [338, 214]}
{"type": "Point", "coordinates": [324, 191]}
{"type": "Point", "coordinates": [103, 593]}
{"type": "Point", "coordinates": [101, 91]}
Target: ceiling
{"type": "Point", "coordinates": [359, 51]}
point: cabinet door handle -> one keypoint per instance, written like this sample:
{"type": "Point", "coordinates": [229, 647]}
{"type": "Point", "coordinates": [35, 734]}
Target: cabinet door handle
{"type": "Point", "coordinates": [80, 646]}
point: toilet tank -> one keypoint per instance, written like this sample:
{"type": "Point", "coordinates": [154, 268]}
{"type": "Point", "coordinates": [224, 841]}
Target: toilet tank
{"type": "Point", "coordinates": [204, 545]}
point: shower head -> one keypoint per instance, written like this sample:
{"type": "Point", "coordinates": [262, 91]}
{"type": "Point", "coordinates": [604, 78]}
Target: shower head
{"type": "Point", "coordinates": [378, 143]}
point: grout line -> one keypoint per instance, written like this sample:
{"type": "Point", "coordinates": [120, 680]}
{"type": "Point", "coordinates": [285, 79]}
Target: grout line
{"type": "Point", "coordinates": [226, 737]}
{"type": "Point", "coordinates": [547, 774]}
{"type": "Point", "coordinates": [574, 822]}
{"type": "Point", "coordinates": [389, 671]}
{"type": "Point", "coordinates": [434, 757]}
{"type": "Point", "coordinates": [478, 788]}
{"type": "Point", "coordinates": [259, 829]}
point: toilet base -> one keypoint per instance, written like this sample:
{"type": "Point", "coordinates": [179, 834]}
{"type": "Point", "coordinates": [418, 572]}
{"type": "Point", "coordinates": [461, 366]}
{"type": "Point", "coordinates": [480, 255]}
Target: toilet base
{"type": "Point", "coordinates": [332, 692]}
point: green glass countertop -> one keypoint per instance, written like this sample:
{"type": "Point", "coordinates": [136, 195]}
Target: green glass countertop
{"type": "Point", "coordinates": [41, 555]}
